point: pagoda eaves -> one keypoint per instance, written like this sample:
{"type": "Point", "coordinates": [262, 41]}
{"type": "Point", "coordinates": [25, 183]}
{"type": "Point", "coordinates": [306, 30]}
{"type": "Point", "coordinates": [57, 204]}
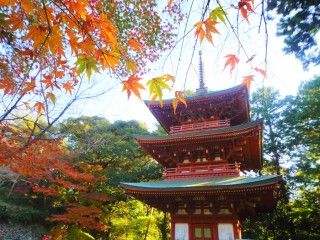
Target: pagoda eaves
{"type": "Point", "coordinates": [230, 104]}
{"type": "Point", "coordinates": [237, 144]}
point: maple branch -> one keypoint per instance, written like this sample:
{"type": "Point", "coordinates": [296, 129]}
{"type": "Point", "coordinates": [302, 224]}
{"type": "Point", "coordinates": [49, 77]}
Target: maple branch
{"type": "Point", "coordinates": [194, 46]}
{"type": "Point", "coordinates": [263, 18]}
{"type": "Point", "coordinates": [45, 103]}
{"type": "Point", "coordinates": [78, 22]}
{"type": "Point", "coordinates": [3, 117]}
{"type": "Point", "coordinates": [233, 30]}
{"type": "Point", "coordinates": [184, 33]}
{"type": "Point", "coordinates": [32, 130]}
{"type": "Point", "coordinates": [46, 13]}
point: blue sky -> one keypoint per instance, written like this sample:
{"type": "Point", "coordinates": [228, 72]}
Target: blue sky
{"type": "Point", "coordinates": [285, 73]}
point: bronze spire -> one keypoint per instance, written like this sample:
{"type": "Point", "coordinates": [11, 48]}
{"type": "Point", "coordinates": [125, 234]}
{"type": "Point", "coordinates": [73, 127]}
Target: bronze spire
{"type": "Point", "coordinates": [202, 88]}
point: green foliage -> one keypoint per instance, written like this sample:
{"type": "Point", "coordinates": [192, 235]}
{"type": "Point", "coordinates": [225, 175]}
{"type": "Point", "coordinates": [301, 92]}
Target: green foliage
{"type": "Point", "coordinates": [296, 125]}
{"type": "Point", "coordinates": [132, 220]}
{"type": "Point", "coordinates": [23, 212]}
{"type": "Point", "coordinates": [77, 234]}
{"type": "Point", "coordinates": [299, 24]}
{"type": "Point", "coordinates": [159, 131]}
{"type": "Point", "coordinates": [304, 127]}
{"type": "Point", "coordinates": [112, 146]}
{"type": "Point", "coordinates": [266, 104]}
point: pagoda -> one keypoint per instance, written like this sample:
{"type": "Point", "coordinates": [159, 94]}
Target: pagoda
{"type": "Point", "coordinates": [209, 146]}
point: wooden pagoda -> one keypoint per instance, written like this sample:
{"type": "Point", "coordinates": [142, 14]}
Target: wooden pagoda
{"type": "Point", "coordinates": [208, 147]}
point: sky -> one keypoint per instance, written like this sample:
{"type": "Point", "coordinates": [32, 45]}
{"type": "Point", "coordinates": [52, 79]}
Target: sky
{"type": "Point", "coordinates": [285, 72]}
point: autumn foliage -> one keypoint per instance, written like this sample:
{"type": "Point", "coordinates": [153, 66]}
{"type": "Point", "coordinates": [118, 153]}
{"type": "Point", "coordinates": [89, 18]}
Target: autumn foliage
{"type": "Point", "coordinates": [49, 171]}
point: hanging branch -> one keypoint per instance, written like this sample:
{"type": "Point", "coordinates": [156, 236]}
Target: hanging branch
{"type": "Point", "coordinates": [195, 44]}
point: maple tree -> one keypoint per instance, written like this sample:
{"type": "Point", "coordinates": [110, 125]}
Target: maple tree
{"type": "Point", "coordinates": [49, 172]}
{"type": "Point", "coordinates": [48, 48]}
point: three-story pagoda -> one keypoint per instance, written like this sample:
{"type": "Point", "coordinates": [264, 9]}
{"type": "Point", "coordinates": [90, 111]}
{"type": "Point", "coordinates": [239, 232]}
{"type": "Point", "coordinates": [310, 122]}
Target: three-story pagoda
{"type": "Point", "coordinates": [208, 147]}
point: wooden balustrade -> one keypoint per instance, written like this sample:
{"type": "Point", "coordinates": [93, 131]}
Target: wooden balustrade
{"type": "Point", "coordinates": [188, 127]}
{"type": "Point", "coordinates": [202, 171]}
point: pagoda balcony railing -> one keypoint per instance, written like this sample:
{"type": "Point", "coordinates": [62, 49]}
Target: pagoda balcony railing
{"type": "Point", "coordinates": [211, 170]}
{"type": "Point", "coordinates": [188, 127]}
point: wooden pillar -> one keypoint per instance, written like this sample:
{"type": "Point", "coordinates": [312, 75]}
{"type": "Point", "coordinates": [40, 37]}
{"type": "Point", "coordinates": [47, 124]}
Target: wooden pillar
{"type": "Point", "coordinates": [237, 231]}
{"type": "Point", "coordinates": [172, 227]}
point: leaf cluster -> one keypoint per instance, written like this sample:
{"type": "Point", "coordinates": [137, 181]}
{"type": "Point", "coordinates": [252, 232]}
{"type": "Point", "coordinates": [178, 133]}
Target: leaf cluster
{"type": "Point", "coordinates": [299, 24]}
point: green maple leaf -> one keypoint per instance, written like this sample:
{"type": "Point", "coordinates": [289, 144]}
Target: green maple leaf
{"type": "Point", "coordinates": [158, 84]}
{"type": "Point", "coordinates": [87, 64]}
{"type": "Point", "coordinates": [218, 13]}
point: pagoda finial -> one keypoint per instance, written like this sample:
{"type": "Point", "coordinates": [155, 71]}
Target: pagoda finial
{"type": "Point", "coordinates": [202, 88]}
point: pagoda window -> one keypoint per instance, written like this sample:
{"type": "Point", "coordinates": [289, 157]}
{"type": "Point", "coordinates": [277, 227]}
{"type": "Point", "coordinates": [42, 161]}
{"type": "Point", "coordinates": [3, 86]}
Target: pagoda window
{"type": "Point", "coordinates": [225, 231]}
{"type": "Point", "coordinates": [181, 231]}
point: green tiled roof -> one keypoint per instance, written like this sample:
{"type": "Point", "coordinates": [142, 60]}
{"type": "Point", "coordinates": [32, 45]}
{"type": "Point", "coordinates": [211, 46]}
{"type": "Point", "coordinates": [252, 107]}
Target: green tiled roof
{"type": "Point", "coordinates": [202, 133]}
{"type": "Point", "coordinates": [205, 183]}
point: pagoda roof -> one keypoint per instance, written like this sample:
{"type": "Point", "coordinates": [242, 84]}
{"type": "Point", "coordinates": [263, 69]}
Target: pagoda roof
{"type": "Point", "coordinates": [226, 132]}
{"type": "Point", "coordinates": [231, 103]}
{"type": "Point", "coordinates": [246, 193]}
{"type": "Point", "coordinates": [171, 150]}
{"type": "Point", "coordinates": [199, 184]}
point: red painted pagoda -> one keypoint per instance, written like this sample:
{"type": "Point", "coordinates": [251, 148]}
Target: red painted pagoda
{"type": "Point", "coordinates": [208, 147]}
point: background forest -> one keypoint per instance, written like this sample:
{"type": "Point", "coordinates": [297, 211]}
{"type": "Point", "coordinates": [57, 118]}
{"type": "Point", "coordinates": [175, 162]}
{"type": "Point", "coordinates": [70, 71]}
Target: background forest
{"type": "Point", "coordinates": [60, 175]}
{"type": "Point", "coordinates": [291, 147]}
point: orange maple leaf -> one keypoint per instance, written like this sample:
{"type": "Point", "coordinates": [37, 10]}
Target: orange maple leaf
{"type": "Point", "coordinates": [39, 106]}
{"type": "Point", "coordinates": [37, 35]}
{"type": "Point", "coordinates": [206, 29]}
{"type": "Point", "coordinates": [29, 86]}
{"type": "Point", "coordinates": [7, 85]}
{"type": "Point", "coordinates": [110, 59]}
{"type": "Point", "coordinates": [246, 80]}
{"type": "Point", "coordinates": [179, 98]}
{"type": "Point", "coordinates": [135, 45]}
{"type": "Point", "coordinates": [246, 6]}
{"type": "Point", "coordinates": [132, 85]}
{"type": "Point", "coordinates": [232, 60]}
{"type": "Point", "coordinates": [48, 81]}
{"type": "Point", "coordinates": [68, 86]}
{"type": "Point", "coordinates": [261, 71]}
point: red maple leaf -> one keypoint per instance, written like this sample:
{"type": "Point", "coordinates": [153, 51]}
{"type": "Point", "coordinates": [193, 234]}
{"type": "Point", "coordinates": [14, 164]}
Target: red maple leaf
{"type": "Point", "coordinates": [246, 6]}
{"type": "Point", "coordinates": [232, 60]}
{"type": "Point", "coordinates": [261, 71]}
{"type": "Point", "coordinates": [68, 86]}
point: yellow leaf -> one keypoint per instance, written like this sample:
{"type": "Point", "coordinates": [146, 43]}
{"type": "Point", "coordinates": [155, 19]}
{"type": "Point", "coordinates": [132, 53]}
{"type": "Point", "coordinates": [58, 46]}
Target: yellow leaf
{"type": "Point", "coordinates": [111, 60]}
{"type": "Point", "coordinates": [87, 64]}
{"type": "Point", "coordinates": [158, 84]}
{"type": "Point", "coordinates": [131, 66]}
{"type": "Point", "coordinates": [179, 98]}
{"type": "Point", "coordinates": [51, 97]}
